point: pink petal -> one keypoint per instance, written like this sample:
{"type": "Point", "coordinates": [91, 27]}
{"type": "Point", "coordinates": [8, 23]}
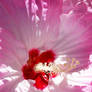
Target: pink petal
{"type": "Point", "coordinates": [9, 85]}
{"type": "Point", "coordinates": [78, 6]}
{"type": "Point", "coordinates": [23, 22]}
{"type": "Point", "coordinates": [75, 40]}
{"type": "Point", "coordinates": [24, 32]}
{"type": "Point", "coordinates": [64, 87]}
{"type": "Point", "coordinates": [12, 51]}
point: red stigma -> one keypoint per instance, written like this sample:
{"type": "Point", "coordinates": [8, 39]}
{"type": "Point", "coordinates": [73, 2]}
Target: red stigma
{"type": "Point", "coordinates": [35, 57]}
{"type": "Point", "coordinates": [46, 57]}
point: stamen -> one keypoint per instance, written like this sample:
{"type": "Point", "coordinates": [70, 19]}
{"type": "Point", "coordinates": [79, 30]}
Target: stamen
{"type": "Point", "coordinates": [72, 64]}
{"type": "Point", "coordinates": [52, 67]}
{"type": "Point", "coordinates": [40, 67]}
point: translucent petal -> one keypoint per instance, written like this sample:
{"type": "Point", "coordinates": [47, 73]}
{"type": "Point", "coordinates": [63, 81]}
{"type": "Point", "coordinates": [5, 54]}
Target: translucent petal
{"type": "Point", "coordinates": [75, 38]}
{"type": "Point", "coordinates": [12, 53]}
{"type": "Point", "coordinates": [22, 23]}
{"type": "Point", "coordinates": [81, 79]}
{"type": "Point", "coordinates": [9, 78]}
{"type": "Point", "coordinates": [35, 24]}
{"type": "Point", "coordinates": [9, 85]}
{"type": "Point", "coordinates": [64, 87]}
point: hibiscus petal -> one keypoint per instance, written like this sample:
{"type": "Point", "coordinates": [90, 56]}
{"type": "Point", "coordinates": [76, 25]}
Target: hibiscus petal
{"type": "Point", "coordinates": [82, 78]}
{"type": "Point", "coordinates": [22, 23]}
{"type": "Point", "coordinates": [79, 6]}
{"type": "Point", "coordinates": [75, 38]}
{"type": "Point", "coordinates": [8, 78]}
{"type": "Point", "coordinates": [10, 85]}
{"type": "Point", "coordinates": [64, 87]}
{"type": "Point", "coordinates": [12, 53]}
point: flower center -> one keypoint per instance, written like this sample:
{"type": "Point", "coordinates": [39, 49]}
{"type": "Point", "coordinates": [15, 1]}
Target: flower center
{"type": "Point", "coordinates": [39, 67]}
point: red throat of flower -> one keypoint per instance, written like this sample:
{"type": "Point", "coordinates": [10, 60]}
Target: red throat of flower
{"type": "Point", "coordinates": [35, 57]}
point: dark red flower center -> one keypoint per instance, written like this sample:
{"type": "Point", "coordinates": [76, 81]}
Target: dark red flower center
{"type": "Point", "coordinates": [35, 57]}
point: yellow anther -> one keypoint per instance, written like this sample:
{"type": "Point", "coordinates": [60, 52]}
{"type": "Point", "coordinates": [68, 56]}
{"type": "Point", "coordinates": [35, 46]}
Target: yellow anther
{"type": "Point", "coordinates": [65, 64]}
{"type": "Point", "coordinates": [52, 67]}
{"type": "Point", "coordinates": [67, 59]}
{"type": "Point", "coordinates": [74, 66]}
{"type": "Point", "coordinates": [73, 59]}
{"type": "Point", "coordinates": [77, 62]}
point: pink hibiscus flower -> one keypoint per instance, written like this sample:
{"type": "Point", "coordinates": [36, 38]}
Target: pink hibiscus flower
{"type": "Point", "coordinates": [45, 45]}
